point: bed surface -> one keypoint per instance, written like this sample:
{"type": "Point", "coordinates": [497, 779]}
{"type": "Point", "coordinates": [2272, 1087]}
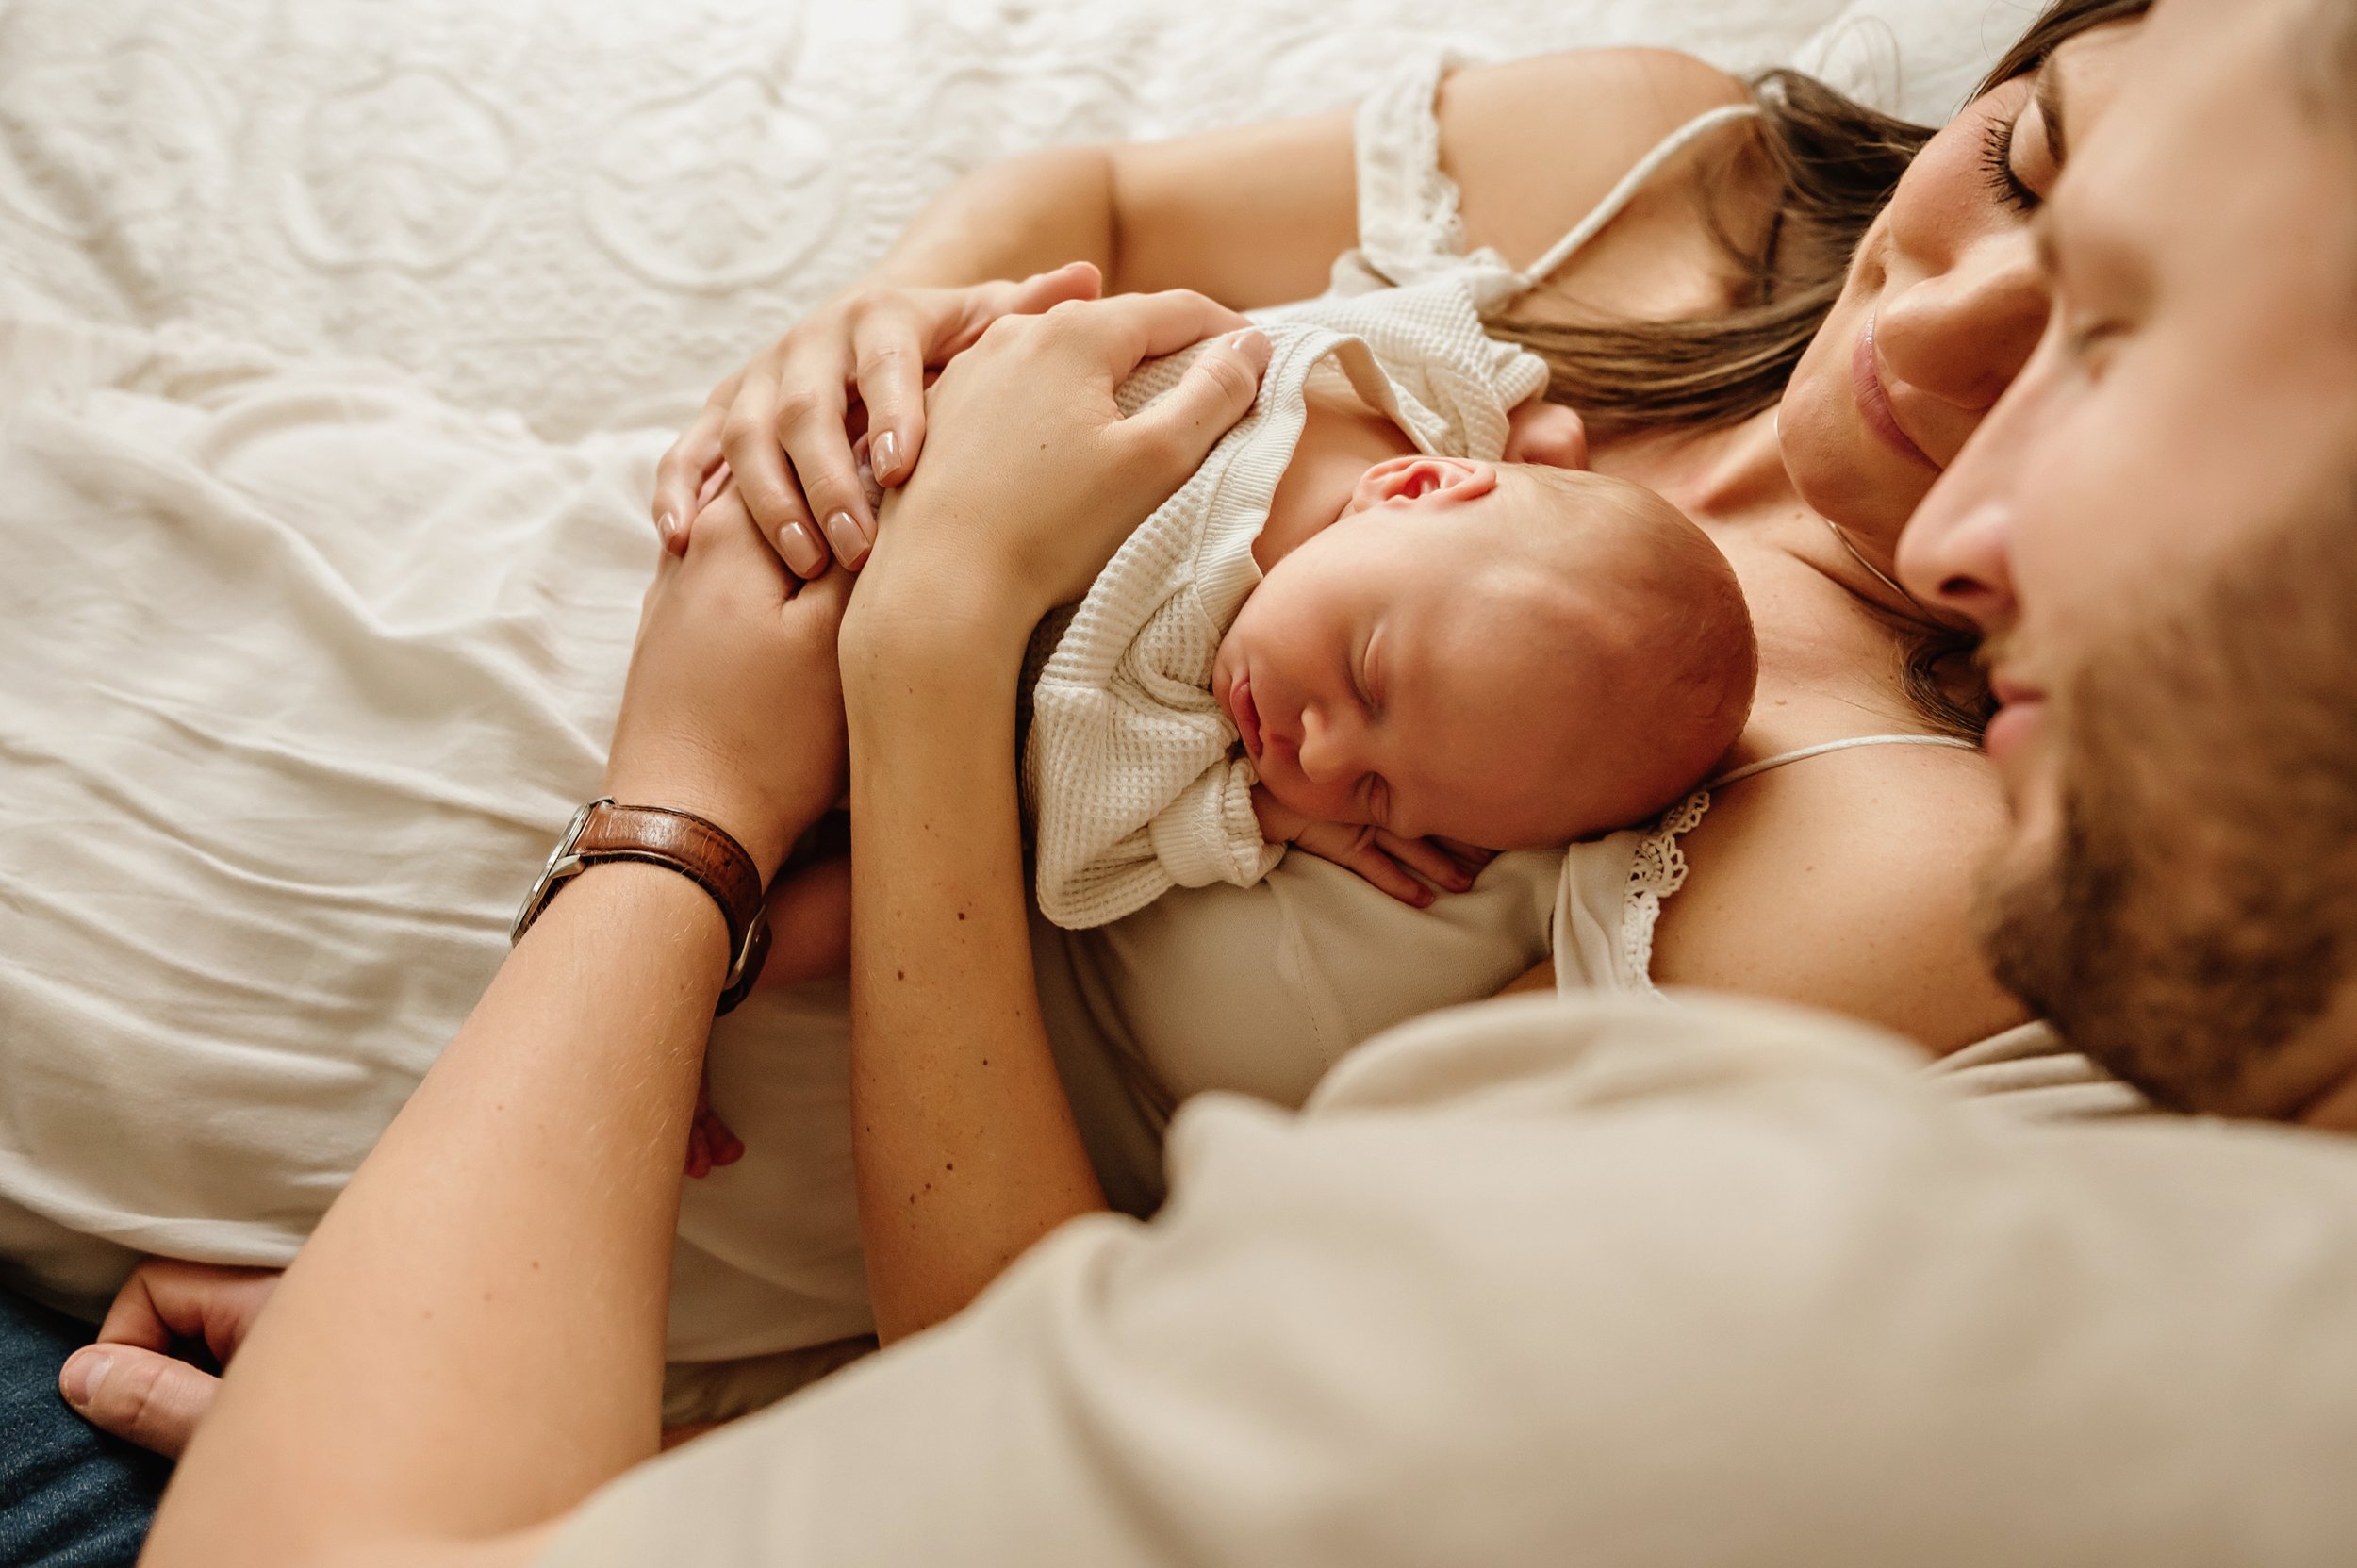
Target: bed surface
{"type": "Point", "coordinates": [588, 213]}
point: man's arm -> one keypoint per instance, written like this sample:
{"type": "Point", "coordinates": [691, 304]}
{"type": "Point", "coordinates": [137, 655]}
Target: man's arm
{"type": "Point", "coordinates": [473, 1338]}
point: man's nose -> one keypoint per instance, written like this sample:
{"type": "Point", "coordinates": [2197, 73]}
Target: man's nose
{"type": "Point", "coordinates": [1956, 556]}
{"type": "Point", "coordinates": [1961, 336]}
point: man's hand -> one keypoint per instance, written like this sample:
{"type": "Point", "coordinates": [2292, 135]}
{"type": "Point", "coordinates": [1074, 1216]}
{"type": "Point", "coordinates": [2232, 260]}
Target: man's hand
{"type": "Point", "coordinates": [1390, 862]}
{"type": "Point", "coordinates": [130, 1383]}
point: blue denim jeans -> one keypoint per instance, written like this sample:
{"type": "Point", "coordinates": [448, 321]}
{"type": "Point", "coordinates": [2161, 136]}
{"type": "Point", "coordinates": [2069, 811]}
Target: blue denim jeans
{"type": "Point", "coordinates": [70, 1495]}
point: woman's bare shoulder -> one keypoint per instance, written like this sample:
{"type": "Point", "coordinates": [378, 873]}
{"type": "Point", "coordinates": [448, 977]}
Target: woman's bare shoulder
{"type": "Point", "coordinates": [1534, 144]}
{"type": "Point", "coordinates": [1846, 882]}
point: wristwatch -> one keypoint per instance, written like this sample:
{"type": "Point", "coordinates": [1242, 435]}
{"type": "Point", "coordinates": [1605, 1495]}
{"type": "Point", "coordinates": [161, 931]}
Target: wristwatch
{"type": "Point", "coordinates": [699, 850]}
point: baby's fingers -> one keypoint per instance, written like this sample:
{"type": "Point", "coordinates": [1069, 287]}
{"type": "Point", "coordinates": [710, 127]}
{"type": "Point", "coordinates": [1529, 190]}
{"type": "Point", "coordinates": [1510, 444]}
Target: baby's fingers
{"type": "Point", "coordinates": [1376, 867]}
{"type": "Point", "coordinates": [1424, 858]}
{"type": "Point", "coordinates": [1463, 862]}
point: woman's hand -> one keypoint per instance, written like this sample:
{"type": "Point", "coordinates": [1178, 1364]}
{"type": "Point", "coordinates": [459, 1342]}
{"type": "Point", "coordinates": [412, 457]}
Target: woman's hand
{"type": "Point", "coordinates": [785, 422]}
{"type": "Point", "coordinates": [1034, 477]}
{"type": "Point", "coordinates": [130, 1383]}
{"type": "Point", "coordinates": [733, 708]}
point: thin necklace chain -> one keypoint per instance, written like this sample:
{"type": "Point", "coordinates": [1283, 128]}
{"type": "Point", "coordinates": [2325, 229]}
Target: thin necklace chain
{"type": "Point", "coordinates": [1876, 572]}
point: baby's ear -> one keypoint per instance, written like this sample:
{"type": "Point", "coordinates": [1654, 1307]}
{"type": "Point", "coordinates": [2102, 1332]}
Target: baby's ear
{"type": "Point", "coordinates": [1548, 434]}
{"type": "Point", "coordinates": [1418, 475]}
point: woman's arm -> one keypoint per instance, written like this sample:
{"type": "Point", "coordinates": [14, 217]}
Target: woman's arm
{"type": "Point", "coordinates": [1252, 216]}
{"type": "Point", "coordinates": [965, 1145]}
{"type": "Point", "coordinates": [473, 1338]}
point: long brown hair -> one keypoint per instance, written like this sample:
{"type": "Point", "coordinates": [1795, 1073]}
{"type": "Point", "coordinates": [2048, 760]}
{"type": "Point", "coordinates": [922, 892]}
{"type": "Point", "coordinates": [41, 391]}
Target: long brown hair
{"type": "Point", "coordinates": [1835, 164]}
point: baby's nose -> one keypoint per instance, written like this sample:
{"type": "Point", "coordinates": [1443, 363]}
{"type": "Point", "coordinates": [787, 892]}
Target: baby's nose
{"type": "Point", "coordinates": [1321, 751]}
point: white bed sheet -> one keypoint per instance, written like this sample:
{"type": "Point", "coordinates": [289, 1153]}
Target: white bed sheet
{"type": "Point", "coordinates": [585, 213]}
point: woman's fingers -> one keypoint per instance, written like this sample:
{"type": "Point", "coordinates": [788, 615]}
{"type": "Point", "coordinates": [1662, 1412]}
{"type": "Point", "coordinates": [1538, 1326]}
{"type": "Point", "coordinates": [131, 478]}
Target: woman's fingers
{"type": "Point", "coordinates": [143, 1395]}
{"type": "Point", "coordinates": [683, 468]}
{"type": "Point", "coordinates": [1216, 389]}
{"type": "Point", "coordinates": [1133, 327]}
{"type": "Point", "coordinates": [947, 326]}
{"type": "Point", "coordinates": [749, 439]}
{"type": "Point", "coordinates": [888, 364]}
{"type": "Point", "coordinates": [811, 408]}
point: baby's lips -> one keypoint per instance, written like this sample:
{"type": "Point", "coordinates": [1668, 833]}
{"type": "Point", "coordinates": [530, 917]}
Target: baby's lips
{"type": "Point", "coordinates": [1247, 715]}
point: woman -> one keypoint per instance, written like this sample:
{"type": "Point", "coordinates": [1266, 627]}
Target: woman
{"type": "Point", "coordinates": [476, 1254]}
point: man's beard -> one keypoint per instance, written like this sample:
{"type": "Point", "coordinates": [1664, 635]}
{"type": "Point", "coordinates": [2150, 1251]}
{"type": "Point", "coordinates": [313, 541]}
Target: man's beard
{"type": "Point", "coordinates": [2195, 917]}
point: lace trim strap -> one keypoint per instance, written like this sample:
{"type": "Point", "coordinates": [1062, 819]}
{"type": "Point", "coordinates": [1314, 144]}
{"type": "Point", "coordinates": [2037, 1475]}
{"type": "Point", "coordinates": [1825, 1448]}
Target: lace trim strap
{"type": "Point", "coordinates": [1659, 871]}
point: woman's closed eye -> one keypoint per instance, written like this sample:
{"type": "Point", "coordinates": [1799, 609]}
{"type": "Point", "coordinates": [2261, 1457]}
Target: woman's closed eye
{"type": "Point", "coordinates": [2005, 181]}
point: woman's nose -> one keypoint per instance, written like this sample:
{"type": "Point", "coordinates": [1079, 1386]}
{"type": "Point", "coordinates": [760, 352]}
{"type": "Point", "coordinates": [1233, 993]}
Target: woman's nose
{"type": "Point", "coordinates": [1963, 335]}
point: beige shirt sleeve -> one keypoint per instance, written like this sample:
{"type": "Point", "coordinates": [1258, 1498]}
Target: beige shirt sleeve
{"type": "Point", "coordinates": [1543, 1281]}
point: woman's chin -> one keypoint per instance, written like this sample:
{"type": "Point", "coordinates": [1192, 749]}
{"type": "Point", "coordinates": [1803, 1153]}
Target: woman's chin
{"type": "Point", "coordinates": [1841, 469]}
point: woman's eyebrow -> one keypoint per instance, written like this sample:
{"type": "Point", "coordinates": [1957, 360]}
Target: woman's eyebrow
{"type": "Point", "coordinates": [2049, 96]}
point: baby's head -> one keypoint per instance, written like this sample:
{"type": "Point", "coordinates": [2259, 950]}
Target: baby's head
{"type": "Point", "coordinates": [1513, 656]}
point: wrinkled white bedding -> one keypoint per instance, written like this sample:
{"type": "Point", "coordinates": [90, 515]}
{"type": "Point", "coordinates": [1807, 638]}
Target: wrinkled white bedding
{"type": "Point", "coordinates": [585, 211]}
{"type": "Point", "coordinates": [332, 339]}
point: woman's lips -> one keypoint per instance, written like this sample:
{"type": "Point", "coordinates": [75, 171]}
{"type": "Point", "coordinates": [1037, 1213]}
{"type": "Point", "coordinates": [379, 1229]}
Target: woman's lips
{"type": "Point", "coordinates": [1248, 716]}
{"type": "Point", "coordinates": [1874, 399]}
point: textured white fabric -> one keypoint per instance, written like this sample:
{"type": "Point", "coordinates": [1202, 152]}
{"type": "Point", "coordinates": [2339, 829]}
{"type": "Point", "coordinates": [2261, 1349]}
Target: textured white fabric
{"type": "Point", "coordinates": [305, 670]}
{"type": "Point", "coordinates": [588, 211]}
{"type": "Point", "coordinates": [1592, 1282]}
{"type": "Point", "coordinates": [1130, 771]}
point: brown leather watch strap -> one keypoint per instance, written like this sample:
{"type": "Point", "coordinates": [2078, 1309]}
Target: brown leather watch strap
{"type": "Point", "coordinates": [685, 843]}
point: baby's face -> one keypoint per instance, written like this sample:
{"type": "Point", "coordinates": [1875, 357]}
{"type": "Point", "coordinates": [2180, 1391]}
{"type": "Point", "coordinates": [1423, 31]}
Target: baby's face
{"type": "Point", "coordinates": [1398, 670]}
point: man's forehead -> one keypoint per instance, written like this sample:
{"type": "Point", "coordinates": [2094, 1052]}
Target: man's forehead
{"type": "Point", "coordinates": [2205, 155]}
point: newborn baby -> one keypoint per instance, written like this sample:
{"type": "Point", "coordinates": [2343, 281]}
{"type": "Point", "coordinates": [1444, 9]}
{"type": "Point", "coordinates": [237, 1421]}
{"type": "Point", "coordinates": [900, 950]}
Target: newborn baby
{"type": "Point", "coordinates": [1355, 630]}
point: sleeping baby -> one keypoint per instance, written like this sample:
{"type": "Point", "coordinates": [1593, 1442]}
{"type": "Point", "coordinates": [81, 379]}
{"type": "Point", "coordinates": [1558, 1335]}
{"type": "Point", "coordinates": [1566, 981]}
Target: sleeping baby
{"type": "Point", "coordinates": [1355, 630]}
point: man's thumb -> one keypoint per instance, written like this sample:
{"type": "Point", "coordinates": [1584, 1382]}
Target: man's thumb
{"type": "Point", "coordinates": [1216, 390]}
{"type": "Point", "coordinates": [150, 1399]}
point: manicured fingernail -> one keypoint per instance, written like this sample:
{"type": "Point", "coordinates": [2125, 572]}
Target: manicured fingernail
{"type": "Point", "coordinates": [84, 1371]}
{"type": "Point", "coordinates": [886, 454]}
{"type": "Point", "coordinates": [849, 539]}
{"type": "Point", "coordinates": [802, 551]}
{"type": "Point", "coordinates": [668, 526]}
{"type": "Point", "coordinates": [1249, 341]}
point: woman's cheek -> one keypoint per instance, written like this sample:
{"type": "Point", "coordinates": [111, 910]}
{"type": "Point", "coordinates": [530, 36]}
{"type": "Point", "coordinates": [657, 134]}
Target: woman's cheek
{"type": "Point", "coordinates": [1841, 468]}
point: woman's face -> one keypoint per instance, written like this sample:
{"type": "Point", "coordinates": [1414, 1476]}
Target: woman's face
{"type": "Point", "coordinates": [1943, 303]}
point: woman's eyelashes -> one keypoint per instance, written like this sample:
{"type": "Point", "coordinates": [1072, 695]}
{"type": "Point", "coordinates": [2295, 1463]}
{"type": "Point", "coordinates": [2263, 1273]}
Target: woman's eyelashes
{"type": "Point", "coordinates": [2005, 181]}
